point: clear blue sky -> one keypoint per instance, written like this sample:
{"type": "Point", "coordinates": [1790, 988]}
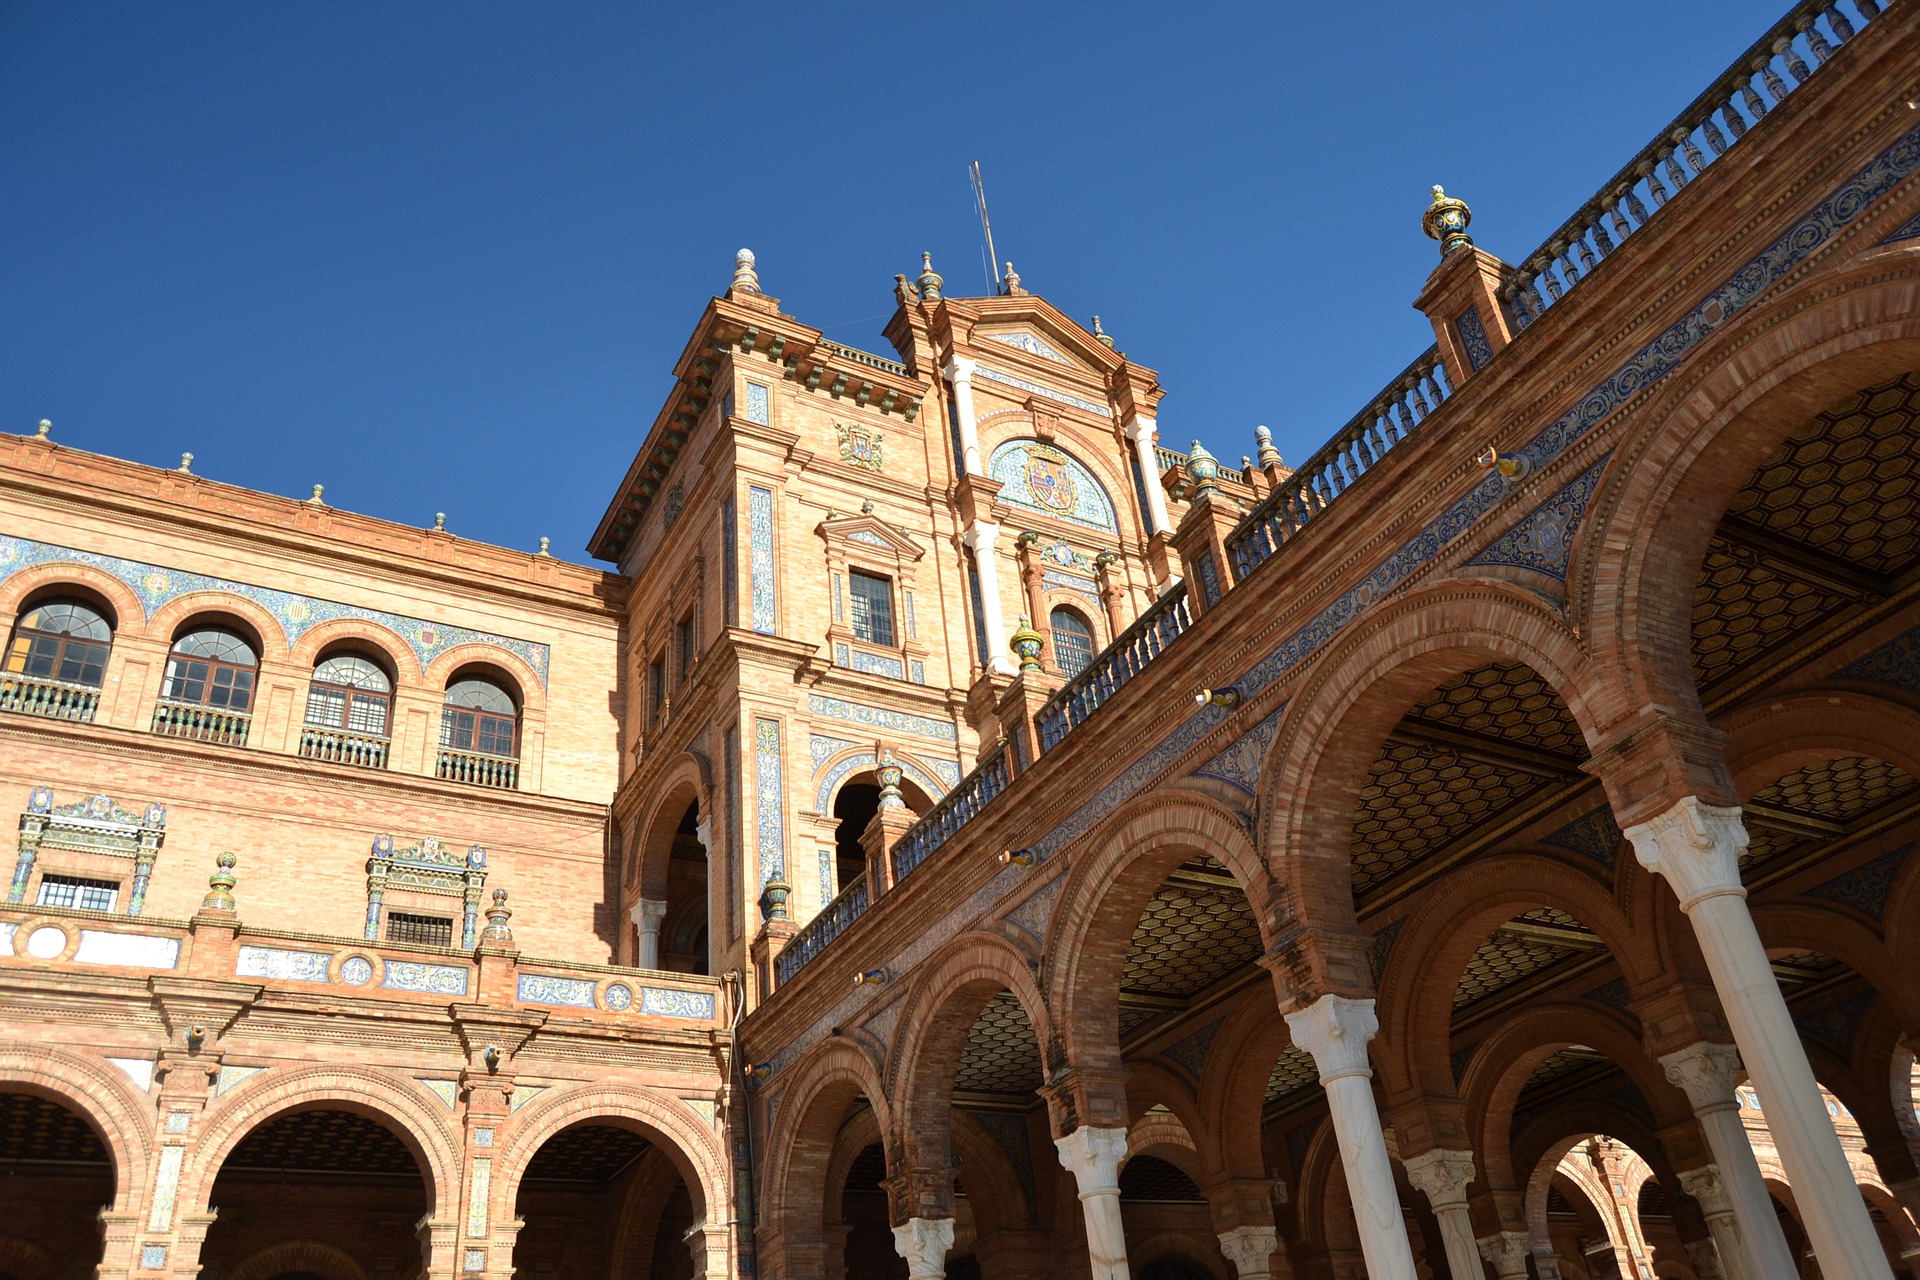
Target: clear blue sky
{"type": "Point", "coordinates": [440, 257]}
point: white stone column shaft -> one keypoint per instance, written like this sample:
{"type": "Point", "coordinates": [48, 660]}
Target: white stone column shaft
{"type": "Point", "coordinates": [924, 1242]}
{"type": "Point", "coordinates": [1093, 1157]}
{"type": "Point", "coordinates": [1335, 1030]}
{"type": "Point", "coordinates": [1757, 1249]}
{"type": "Point", "coordinates": [1140, 431]}
{"type": "Point", "coordinates": [980, 538]}
{"type": "Point", "coordinates": [647, 915]}
{"type": "Point", "coordinates": [959, 372]}
{"type": "Point", "coordinates": [1442, 1176]}
{"type": "Point", "coordinates": [1250, 1250]}
{"type": "Point", "coordinates": [1696, 847]}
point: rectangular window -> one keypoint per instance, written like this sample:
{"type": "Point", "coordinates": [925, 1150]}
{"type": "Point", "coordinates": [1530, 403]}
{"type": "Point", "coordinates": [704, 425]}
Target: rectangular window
{"type": "Point", "coordinates": [872, 607]}
{"type": "Point", "coordinates": [72, 891]}
{"type": "Point", "coordinates": [431, 931]}
{"type": "Point", "coordinates": [475, 731]}
{"type": "Point", "coordinates": [685, 640]}
{"type": "Point", "coordinates": [656, 689]}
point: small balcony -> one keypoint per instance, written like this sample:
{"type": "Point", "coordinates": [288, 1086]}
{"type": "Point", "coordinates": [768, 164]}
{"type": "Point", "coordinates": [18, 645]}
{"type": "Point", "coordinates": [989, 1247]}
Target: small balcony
{"type": "Point", "coordinates": [202, 724]}
{"type": "Point", "coordinates": [336, 746]}
{"type": "Point", "coordinates": [34, 696]}
{"type": "Point", "coordinates": [477, 769]}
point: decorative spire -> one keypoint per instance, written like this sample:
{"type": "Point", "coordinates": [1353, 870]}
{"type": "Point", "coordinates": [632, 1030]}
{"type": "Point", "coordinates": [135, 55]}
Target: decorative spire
{"type": "Point", "coordinates": [1203, 468]}
{"type": "Point", "coordinates": [1026, 643]}
{"type": "Point", "coordinates": [220, 884]}
{"type": "Point", "coordinates": [745, 278]}
{"type": "Point", "coordinates": [186, 464]}
{"type": "Point", "coordinates": [1268, 455]}
{"type": "Point", "coordinates": [544, 544]}
{"type": "Point", "coordinates": [1101, 336]}
{"type": "Point", "coordinates": [46, 424]}
{"type": "Point", "coordinates": [1013, 281]}
{"type": "Point", "coordinates": [497, 929]}
{"type": "Point", "coordinates": [317, 499]}
{"type": "Point", "coordinates": [1446, 220]}
{"type": "Point", "coordinates": [929, 280]}
{"type": "Point", "coordinates": [889, 773]}
{"type": "Point", "coordinates": [440, 521]}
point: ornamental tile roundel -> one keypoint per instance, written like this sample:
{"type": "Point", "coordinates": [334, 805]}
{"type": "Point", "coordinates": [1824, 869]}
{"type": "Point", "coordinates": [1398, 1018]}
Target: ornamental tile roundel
{"type": "Point", "coordinates": [1039, 477]}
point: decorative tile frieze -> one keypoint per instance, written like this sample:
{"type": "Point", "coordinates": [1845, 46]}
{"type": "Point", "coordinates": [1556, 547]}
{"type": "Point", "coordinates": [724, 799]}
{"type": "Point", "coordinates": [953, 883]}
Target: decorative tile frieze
{"type": "Point", "coordinates": [522, 1095]}
{"type": "Point", "coordinates": [1907, 230]}
{"type": "Point", "coordinates": [448, 1091]}
{"type": "Point", "coordinates": [667, 1002]}
{"type": "Point", "coordinates": [1239, 765]}
{"type": "Point", "coordinates": [138, 1070]}
{"type": "Point", "coordinates": [1045, 393]}
{"type": "Point", "coordinates": [479, 1186]}
{"type": "Point", "coordinates": [1009, 1133]}
{"type": "Point", "coordinates": [540, 988]}
{"type": "Point", "coordinates": [1191, 1051]}
{"type": "Point", "coordinates": [1381, 949]}
{"type": "Point", "coordinates": [1614, 995]}
{"type": "Point", "coordinates": [879, 664]}
{"type": "Point", "coordinates": [1543, 540]}
{"type": "Point", "coordinates": [760, 557]}
{"type": "Point", "coordinates": [288, 966]}
{"type": "Point", "coordinates": [434, 979]}
{"type": "Point", "coordinates": [707, 1109]}
{"type": "Point", "coordinates": [759, 405]}
{"type": "Point", "coordinates": [769, 801]}
{"type": "Point", "coordinates": [131, 950]}
{"type": "Point", "coordinates": [1865, 888]}
{"type": "Point", "coordinates": [231, 1076]}
{"type": "Point", "coordinates": [1594, 835]}
{"type": "Point", "coordinates": [1896, 663]}
{"type": "Point", "coordinates": [1031, 343]}
{"type": "Point", "coordinates": [1473, 336]}
{"type": "Point", "coordinates": [356, 971]}
{"type": "Point", "coordinates": [1036, 913]}
{"type": "Point", "coordinates": [881, 718]}
{"type": "Point", "coordinates": [618, 997]}
{"type": "Point", "coordinates": [156, 585]}
{"type": "Point", "coordinates": [96, 824]}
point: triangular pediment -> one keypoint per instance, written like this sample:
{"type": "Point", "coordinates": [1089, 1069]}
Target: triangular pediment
{"type": "Point", "coordinates": [873, 531]}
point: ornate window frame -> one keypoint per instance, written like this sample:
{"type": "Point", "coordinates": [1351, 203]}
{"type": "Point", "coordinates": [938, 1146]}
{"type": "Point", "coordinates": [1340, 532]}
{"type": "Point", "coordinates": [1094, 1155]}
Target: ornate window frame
{"type": "Point", "coordinates": [420, 873]}
{"type": "Point", "coordinates": [90, 838]}
{"type": "Point", "coordinates": [871, 545]}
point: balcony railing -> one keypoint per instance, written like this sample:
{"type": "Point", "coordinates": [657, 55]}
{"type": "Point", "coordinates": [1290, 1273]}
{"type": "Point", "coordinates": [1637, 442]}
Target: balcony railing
{"type": "Point", "coordinates": [988, 779]}
{"type": "Point", "coordinates": [336, 746]}
{"type": "Point", "coordinates": [202, 724]}
{"type": "Point", "coordinates": [1388, 419]}
{"type": "Point", "coordinates": [847, 906]}
{"type": "Point", "coordinates": [30, 695]}
{"type": "Point", "coordinates": [1168, 459]}
{"type": "Point", "coordinates": [1759, 80]}
{"type": "Point", "coordinates": [1130, 654]}
{"type": "Point", "coordinates": [868, 358]}
{"type": "Point", "coordinates": [478, 770]}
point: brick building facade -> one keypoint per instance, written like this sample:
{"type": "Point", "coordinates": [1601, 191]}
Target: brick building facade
{"type": "Point", "coordinates": [958, 837]}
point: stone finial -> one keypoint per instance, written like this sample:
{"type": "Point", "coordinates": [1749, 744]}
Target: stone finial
{"type": "Point", "coordinates": [544, 544]}
{"type": "Point", "coordinates": [889, 773]}
{"type": "Point", "coordinates": [318, 491]}
{"type": "Point", "coordinates": [777, 891]}
{"type": "Point", "coordinates": [1446, 220]}
{"type": "Point", "coordinates": [498, 915]}
{"type": "Point", "coordinates": [866, 506]}
{"type": "Point", "coordinates": [1268, 455]}
{"type": "Point", "coordinates": [1101, 336]}
{"type": "Point", "coordinates": [46, 425]}
{"type": "Point", "coordinates": [1013, 281]}
{"type": "Point", "coordinates": [745, 278]}
{"type": "Point", "coordinates": [440, 521]}
{"type": "Point", "coordinates": [930, 281]}
{"type": "Point", "coordinates": [186, 464]}
{"type": "Point", "coordinates": [1203, 468]}
{"type": "Point", "coordinates": [1026, 643]}
{"type": "Point", "coordinates": [220, 884]}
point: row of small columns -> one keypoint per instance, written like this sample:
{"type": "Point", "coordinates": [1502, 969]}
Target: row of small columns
{"type": "Point", "coordinates": [1695, 847]}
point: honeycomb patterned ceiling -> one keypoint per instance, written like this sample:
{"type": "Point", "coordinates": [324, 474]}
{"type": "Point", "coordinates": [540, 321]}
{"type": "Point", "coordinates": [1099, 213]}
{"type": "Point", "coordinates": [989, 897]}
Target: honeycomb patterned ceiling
{"type": "Point", "coordinates": [1294, 1071]}
{"type": "Point", "coordinates": [1002, 1053]}
{"type": "Point", "coordinates": [1151, 1178]}
{"type": "Point", "coordinates": [1530, 943]}
{"type": "Point", "coordinates": [1507, 701]}
{"type": "Point", "coordinates": [586, 1153]}
{"type": "Point", "coordinates": [1798, 812]}
{"type": "Point", "coordinates": [868, 1170]}
{"type": "Point", "coordinates": [1559, 1065]}
{"type": "Point", "coordinates": [1830, 518]}
{"type": "Point", "coordinates": [1192, 933]}
{"type": "Point", "coordinates": [36, 1130]}
{"type": "Point", "coordinates": [322, 1142]}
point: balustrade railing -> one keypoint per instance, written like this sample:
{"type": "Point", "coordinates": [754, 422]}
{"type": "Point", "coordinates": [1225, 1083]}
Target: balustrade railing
{"type": "Point", "coordinates": [1390, 418]}
{"type": "Point", "coordinates": [1168, 459]}
{"type": "Point", "coordinates": [337, 747]}
{"type": "Point", "coordinates": [1759, 80]}
{"type": "Point", "coordinates": [847, 906]}
{"type": "Point", "coordinates": [1129, 654]}
{"type": "Point", "coordinates": [202, 724]}
{"type": "Point", "coordinates": [30, 695]}
{"type": "Point", "coordinates": [478, 770]}
{"type": "Point", "coordinates": [869, 359]}
{"type": "Point", "coordinates": [988, 779]}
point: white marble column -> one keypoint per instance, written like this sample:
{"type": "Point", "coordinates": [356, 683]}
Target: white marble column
{"type": "Point", "coordinates": [1751, 1244]}
{"type": "Point", "coordinates": [1442, 1176]}
{"type": "Point", "coordinates": [1140, 431]}
{"type": "Point", "coordinates": [647, 915]}
{"type": "Point", "coordinates": [980, 538]}
{"type": "Point", "coordinates": [924, 1242]}
{"type": "Point", "coordinates": [1507, 1254]}
{"type": "Point", "coordinates": [1335, 1030]}
{"type": "Point", "coordinates": [959, 372]}
{"type": "Point", "coordinates": [1250, 1250]}
{"type": "Point", "coordinates": [1696, 847]}
{"type": "Point", "coordinates": [1093, 1157]}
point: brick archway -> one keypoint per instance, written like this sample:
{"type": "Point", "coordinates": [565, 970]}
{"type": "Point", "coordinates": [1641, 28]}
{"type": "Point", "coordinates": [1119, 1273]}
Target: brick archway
{"type": "Point", "coordinates": [102, 1096]}
{"type": "Point", "coordinates": [1770, 740]}
{"type": "Point", "coordinates": [311, 1256]}
{"type": "Point", "coordinates": [1233, 1088]}
{"type": "Point", "coordinates": [1696, 444]}
{"type": "Point", "coordinates": [805, 1105]}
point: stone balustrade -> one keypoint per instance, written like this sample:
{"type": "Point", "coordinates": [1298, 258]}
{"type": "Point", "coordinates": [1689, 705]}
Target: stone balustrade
{"type": "Point", "coordinates": [202, 724]}
{"type": "Point", "coordinates": [34, 696]}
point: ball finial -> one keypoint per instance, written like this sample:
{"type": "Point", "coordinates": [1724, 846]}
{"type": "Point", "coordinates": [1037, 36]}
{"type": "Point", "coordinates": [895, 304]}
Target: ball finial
{"type": "Point", "coordinates": [745, 278]}
{"type": "Point", "coordinates": [1446, 220]}
{"type": "Point", "coordinates": [46, 425]}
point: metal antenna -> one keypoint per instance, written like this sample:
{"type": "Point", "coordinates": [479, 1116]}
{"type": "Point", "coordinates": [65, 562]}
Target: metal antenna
{"type": "Point", "coordinates": [980, 203]}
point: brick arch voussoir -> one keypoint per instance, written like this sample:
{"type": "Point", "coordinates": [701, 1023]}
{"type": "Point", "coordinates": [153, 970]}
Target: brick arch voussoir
{"type": "Point", "coordinates": [803, 1131]}
{"type": "Point", "coordinates": [1769, 740]}
{"type": "Point", "coordinates": [1416, 991]}
{"type": "Point", "coordinates": [1124, 859]}
{"type": "Point", "coordinates": [675, 1128]}
{"type": "Point", "coordinates": [1234, 1086]}
{"type": "Point", "coordinates": [129, 615]}
{"type": "Point", "coordinates": [941, 1006]}
{"type": "Point", "coordinates": [1689, 450]}
{"type": "Point", "coordinates": [1150, 1084]}
{"type": "Point", "coordinates": [174, 615]}
{"type": "Point", "coordinates": [311, 1256]}
{"type": "Point", "coordinates": [366, 632]}
{"type": "Point", "coordinates": [101, 1094]}
{"type": "Point", "coordinates": [1354, 694]}
{"type": "Point", "coordinates": [476, 653]}
{"type": "Point", "coordinates": [856, 1135]}
{"type": "Point", "coordinates": [993, 1187]}
{"type": "Point", "coordinates": [1803, 926]}
{"type": "Point", "coordinates": [688, 780]}
{"type": "Point", "coordinates": [420, 1120]}
{"type": "Point", "coordinates": [25, 1260]}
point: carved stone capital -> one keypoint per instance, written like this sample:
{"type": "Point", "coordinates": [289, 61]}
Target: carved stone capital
{"type": "Point", "coordinates": [1695, 846]}
{"type": "Point", "coordinates": [1250, 1250]}
{"type": "Point", "coordinates": [1507, 1252]}
{"type": "Point", "coordinates": [1335, 1030]}
{"type": "Point", "coordinates": [924, 1242]}
{"type": "Point", "coordinates": [1706, 1259]}
{"type": "Point", "coordinates": [647, 914]}
{"type": "Point", "coordinates": [980, 537]}
{"type": "Point", "coordinates": [1705, 1073]}
{"type": "Point", "coordinates": [1707, 1186]}
{"type": "Point", "coordinates": [1093, 1157]}
{"type": "Point", "coordinates": [1141, 427]}
{"type": "Point", "coordinates": [1441, 1174]}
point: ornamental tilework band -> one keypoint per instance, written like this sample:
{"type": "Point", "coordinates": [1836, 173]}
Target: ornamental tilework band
{"type": "Point", "coordinates": [1473, 336]}
{"type": "Point", "coordinates": [1039, 477]}
{"type": "Point", "coordinates": [826, 875]}
{"type": "Point", "coordinates": [881, 718]}
{"type": "Point", "coordinates": [1030, 343]}
{"type": "Point", "coordinates": [1239, 765]}
{"type": "Point", "coordinates": [288, 966]}
{"type": "Point", "coordinates": [760, 557]}
{"type": "Point", "coordinates": [1191, 1052]}
{"type": "Point", "coordinates": [666, 1002]}
{"type": "Point", "coordinates": [1865, 888]}
{"type": "Point", "coordinates": [156, 586]}
{"type": "Point", "coordinates": [166, 1186]}
{"type": "Point", "coordinates": [445, 1090]}
{"type": "Point", "coordinates": [1045, 393]}
{"type": "Point", "coordinates": [435, 979]}
{"type": "Point", "coordinates": [830, 781]}
{"type": "Point", "coordinates": [769, 801]}
{"type": "Point", "coordinates": [877, 664]}
{"type": "Point", "coordinates": [759, 404]}
{"type": "Point", "coordinates": [1897, 662]}
{"type": "Point", "coordinates": [1595, 835]}
{"type": "Point", "coordinates": [538, 988]}
{"type": "Point", "coordinates": [1908, 230]}
{"type": "Point", "coordinates": [231, 1076]}
{"type": "Point", "coordinates": [1543, 540]}
{"type": "Point", "coordinates": [479, 1185]}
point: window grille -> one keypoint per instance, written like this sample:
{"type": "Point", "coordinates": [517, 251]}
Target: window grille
{"type": "Point", "coordinates": [872, 607]}
{"type": "Point", "coordinates": [72, 891]}
{"type": "Point", "coordinates": [431, 931]}
{"type": "Point", "coordinates": [1072, 642]}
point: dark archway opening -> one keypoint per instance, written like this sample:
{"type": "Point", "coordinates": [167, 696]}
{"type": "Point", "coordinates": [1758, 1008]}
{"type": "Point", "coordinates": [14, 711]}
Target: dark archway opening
{"type": "Point", "coordinates": [683, 933]}
{"type": "Point", "coordinates": [601, 1200]}
{"type": "Point", "coordinates": [863, 1208]}
{"type": "Point", "coordinates": [56, 1175]}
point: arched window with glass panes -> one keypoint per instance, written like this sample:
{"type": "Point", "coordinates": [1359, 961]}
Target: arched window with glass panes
{"type": "Point", "coordinates": [56, 659]}
{"type": "Point", "coordinates": [207, 694]}
{"type": "Point", "coordinates": [479, 734]}
{"type": "Point", "coordinates": [1072, 641]}
{"type": "Point", "coordinates": [349, 712]}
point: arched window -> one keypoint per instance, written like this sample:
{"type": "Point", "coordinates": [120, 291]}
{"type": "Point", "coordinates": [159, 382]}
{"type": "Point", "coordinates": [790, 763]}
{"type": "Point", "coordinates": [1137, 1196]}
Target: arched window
{"type": "Point", "coordinates": [211, 667]}
{"type": "Point", "coordinates": [1072, 642]}
{"type": "Point", "coordinates": [61, 639]}
{"type": "Point", "coordinates": [479, 716]}
{"type": "Point", "coordinates": [349, 692]}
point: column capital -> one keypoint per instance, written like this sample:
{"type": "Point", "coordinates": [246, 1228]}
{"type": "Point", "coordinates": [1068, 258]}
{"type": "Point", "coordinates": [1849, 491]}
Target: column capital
{"type": "Point", "coordinates": [1440, 1174]}
{"type": "Point", "coordinates": [1093, 1157]}
{"type": "Point", "coordinates": [960, 368]}
{"type": "Point", "coordinates": [1706, 1259]}
{"type": "Point", "coordinates": [1507, 1251]}
{"type": "Point", "coordinates": [1705, 1072]}
{"type": "Point", "coordinates": [980, 536]}
{"type": "Point", "coordinates": [1695, 846]}
{"type": "Point", "coordinates": [647, 914]}
{"type": "Point", "coordinates": [1335, 1030]}
{"type": "Point", "coordinates": [1707, 1186]}
{"type": "Point", "coordinates": [924, 1242]}
{"type": "Point", "coordinates": [1250, 1249]}
{"type": "Point", "coordinates": [1142, 426]}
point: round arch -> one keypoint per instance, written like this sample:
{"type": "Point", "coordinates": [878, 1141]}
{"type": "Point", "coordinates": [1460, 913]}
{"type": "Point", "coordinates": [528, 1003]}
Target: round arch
{"type": "Point", "coordinates": [529, 690]}
{"type": "Point", "coordinates": [312, 1257]}
{"type": "Point", "coordinates": [102, 1096]}
{"type": "Point", "coordinates": [1233, 1089]}
{"type": "Point", "coordinates": [48, 577]}
{"type": "Point", "coordinates": [1770, 740]}
{"type": "Point", "coordinates": [686, 782]}
{"type": "Point", "coordinates": [218, 608]}
{"type": "Point", "coordinates": [358, 633]}
{"type": "Point", "coordinates": [806, 1104]}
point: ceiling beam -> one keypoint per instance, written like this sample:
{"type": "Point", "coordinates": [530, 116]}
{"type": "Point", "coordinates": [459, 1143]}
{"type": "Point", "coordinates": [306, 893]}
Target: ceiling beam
{"type": "Point", "coordinates": [1803, 563]}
